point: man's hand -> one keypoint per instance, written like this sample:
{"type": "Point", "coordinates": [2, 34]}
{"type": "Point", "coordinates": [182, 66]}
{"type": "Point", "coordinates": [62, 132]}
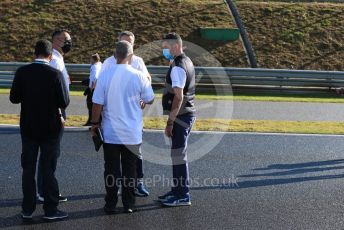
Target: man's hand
{"type": "Point", "coordinates": [169, 130]}
{"type": "Point", "coordinates": [142, 104]}
{"type": "Point", "coordinates": [93, 129]}
{"type": "Point", "coordinates": [63, 122]}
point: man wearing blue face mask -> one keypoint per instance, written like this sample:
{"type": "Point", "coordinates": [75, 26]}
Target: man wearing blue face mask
{"type": "Point", "coordinates": [178, 104]}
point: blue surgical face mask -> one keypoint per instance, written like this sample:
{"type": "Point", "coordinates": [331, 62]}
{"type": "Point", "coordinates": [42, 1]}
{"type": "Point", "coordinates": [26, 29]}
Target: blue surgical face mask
{"type": "Point", "coordinates": [167, 54]}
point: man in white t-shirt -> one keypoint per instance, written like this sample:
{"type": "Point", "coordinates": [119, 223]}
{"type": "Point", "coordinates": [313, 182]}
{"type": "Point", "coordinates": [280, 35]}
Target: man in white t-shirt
{"type": "Point", "coordinates": [138, 64]}
{"type": "Point", "coordinates": [117, 98]}
{"type": "Point", "coordinates": [62, 43]}
{"type": "Point", "coordinates": [96, 66]}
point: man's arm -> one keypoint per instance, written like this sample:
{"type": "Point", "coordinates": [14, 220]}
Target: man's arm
{"type": "Point", "coordinates": [178, 76]}
{"type": "Point", "coordinates": [176, 105]}
{"type": "Point", "coordinates": [92, 77]}
{"type": "Point", "coordinates": [61, 66]}
{"type": "Point", "coordinates": [15, 94]}
{"type": "Point", "coordinates": [96, 111]}
{"type": "Point", "coordinates": [144, 70]}
{"type": "Point", "coordinates": [149, 77]}
{"type": "Point", "coordinates": [147, 94]}
{"type": "Point", "coordinates": [62, 92]}
{"type": "Point", "coordinates": [98, 100]}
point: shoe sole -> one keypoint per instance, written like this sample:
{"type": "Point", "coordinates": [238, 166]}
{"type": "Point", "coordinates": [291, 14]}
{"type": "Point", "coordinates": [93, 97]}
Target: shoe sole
{"type": "Point", "coordinates": [26, 217]}
{"type": "Point", "coordinates": [141, 195]}
{"type": "Point", "coordinates": [176, 205]}
{"type": "Point", "coordinates": [55, 218]}
{"type": "Point", "coordinates": [60, 201]}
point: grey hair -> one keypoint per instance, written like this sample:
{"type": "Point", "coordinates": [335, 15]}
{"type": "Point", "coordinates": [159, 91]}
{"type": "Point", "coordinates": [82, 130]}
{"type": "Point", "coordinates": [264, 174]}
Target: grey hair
{"type": "Point", "coordinates": [126, 33]}
{"type": "Point", "coordinates": [123, 50]}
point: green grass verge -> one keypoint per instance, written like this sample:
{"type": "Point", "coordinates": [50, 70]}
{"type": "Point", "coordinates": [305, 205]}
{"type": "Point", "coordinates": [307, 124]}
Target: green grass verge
{"type": "Point", "coordinates": [223, 125]}
{"type": "Point", "coordinates": [271, 97]}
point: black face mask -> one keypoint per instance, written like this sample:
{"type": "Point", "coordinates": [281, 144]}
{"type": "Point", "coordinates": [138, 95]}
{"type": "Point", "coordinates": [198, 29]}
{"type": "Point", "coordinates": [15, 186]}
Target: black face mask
{"type": "Point", "coordinates": [67, 45]}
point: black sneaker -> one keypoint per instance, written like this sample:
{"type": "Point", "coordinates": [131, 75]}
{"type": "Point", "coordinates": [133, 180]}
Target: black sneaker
{"type": "Point", "coordinates": [26, 215]}
{"type": "Point", "coordinates": [62, 199]}
{"type": "Point", "coordinates": [129, 210]}
{"type": "Point", "coordinates": [110, 209]}
{"type": "Point", "coordinates": [58, 215]}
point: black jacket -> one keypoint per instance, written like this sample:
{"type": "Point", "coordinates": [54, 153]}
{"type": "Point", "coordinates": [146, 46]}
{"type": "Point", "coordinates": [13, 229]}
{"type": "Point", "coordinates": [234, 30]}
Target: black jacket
{"type": "Point", "coordinates": [41, 90]}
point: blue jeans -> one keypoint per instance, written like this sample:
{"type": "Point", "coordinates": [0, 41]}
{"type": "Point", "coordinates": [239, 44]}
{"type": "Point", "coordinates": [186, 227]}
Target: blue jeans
{"type": "Point", "coordinates": [181, 131]}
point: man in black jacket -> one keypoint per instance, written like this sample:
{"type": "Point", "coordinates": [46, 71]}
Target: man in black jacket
{"type": "Point", "coordinates": [42, 92]}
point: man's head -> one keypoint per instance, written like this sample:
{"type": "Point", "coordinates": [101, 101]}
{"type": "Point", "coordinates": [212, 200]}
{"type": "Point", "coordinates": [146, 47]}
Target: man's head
{"type": "Point", "coordinates": [172, 44]}
{"type": "Point", "coordinates": [95, 58]}
{"type": "Point", "coordinates": [127, 36]}
{"type": "Point", "coordinates": [123, 52]}
{"type": "Point", "coordinates": [62, 41]}
{"type": "Point", "coordinates": [43, 49]}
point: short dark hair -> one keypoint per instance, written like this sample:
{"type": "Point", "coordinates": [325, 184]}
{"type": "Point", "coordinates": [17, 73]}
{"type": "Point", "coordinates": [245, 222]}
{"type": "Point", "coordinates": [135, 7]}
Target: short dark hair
{"type": "Point", "coordinates": [172, 38]}
{"type": "Point", "coordinates": [43, 48]}
{"type": "Point", "coordinates": [58, 32]}
{"type": "Point", "coordinates": [95, 57]}
{"type": "Point", "coordinates": [126, 33]}
{"type": "Point", "coordinates": [123, 50]}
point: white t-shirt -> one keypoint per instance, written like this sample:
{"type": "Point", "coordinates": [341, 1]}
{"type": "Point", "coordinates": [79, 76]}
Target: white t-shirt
{"type": "Point", "coordinates": [136, 63]}
{"type": "Point", "coordinates": [178, 77]}
{"type": "Point", "coordinates": [119, 89]}
{"type": "Point", "coordinates": [58, 63]}
{"type": "Point", "coordinates": [94, 72]}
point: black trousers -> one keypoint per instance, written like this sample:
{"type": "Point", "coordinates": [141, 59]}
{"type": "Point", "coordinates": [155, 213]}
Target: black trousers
{"type": "Point", "coordinates": [40, 168]}
{"type": "Point", "coordinates": [89, 104]}
{"type": "Point", "coordinates": [119, 157]}
{"type": "Point", "coordinates": [50, 151]}
{"type": "Point", "coordinates": [139, 169]}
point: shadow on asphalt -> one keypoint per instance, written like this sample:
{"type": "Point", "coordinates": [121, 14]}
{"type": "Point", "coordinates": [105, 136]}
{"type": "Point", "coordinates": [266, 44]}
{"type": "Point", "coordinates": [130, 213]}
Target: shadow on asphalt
{"type": "Point", "coordinates": [16, 220]}
{"type": "Point", "coordinates": [307, 167]}
{"type": "Point", "coordinates": [267, 182]}
{"type": "Point", "coordinates": [302, 165]}
{"type": "Point", "coordinates": [298, 168]}
{"type": "Point", "coordinates": [17, 202]}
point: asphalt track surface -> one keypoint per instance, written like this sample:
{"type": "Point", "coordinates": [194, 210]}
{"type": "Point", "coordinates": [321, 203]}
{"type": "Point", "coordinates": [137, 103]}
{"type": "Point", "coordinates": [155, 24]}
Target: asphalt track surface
{"type": "Point", "coordinates": [246, 181]}
{"type": "Point", "coordinates": [246, 110]}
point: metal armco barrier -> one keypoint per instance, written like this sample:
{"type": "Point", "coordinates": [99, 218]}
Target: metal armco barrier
{"type": "Point", "coordinates": [217, 78]}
